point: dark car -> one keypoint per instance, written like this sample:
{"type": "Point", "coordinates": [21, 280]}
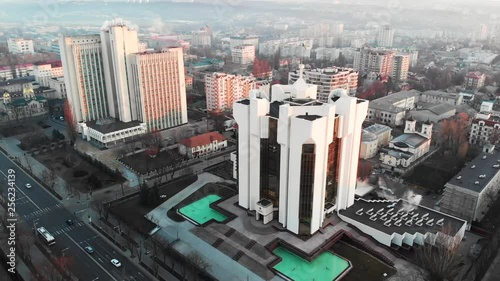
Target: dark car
{"type": "Point", "coordinates": [89, 249]}
{"type": "Point", "coordinates": [70, 222]}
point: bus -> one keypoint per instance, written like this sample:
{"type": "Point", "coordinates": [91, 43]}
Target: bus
{"type": "Point", "coordinates": [49, 239]}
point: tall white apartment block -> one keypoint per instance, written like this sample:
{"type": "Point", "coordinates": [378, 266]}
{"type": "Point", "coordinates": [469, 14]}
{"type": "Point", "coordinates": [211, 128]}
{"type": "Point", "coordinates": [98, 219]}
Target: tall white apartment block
{"type": "Point", "coordinates": [119, 40]}
{"type": "Point", "coordinates": [45, 71]}
{"type": "Point", "coordinates": [83, 65]}
{"type": "Point", "coordinates": [385, 36]}
{"type": "Point", "coordinates": [158, 88]}
{"type": "Point", "coordinates": [328, 79]}
{"type": "Point", "coordinates": [222, 90]}
{"type": "Point", "coordinates": [401, 67]}
{"type": "Point", "coordinates": [20, 46]}
{"type": "Point", "coordinates": [244, 54]}
{"type": "Point", "coordinates": [370, 60]}
{"type": "Point", "coordinates": [297, 154]}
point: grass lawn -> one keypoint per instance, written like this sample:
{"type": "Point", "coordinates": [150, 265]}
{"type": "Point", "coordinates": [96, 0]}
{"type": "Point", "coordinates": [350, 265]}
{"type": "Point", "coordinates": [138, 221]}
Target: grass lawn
{"type": "Point", "coordinates": [54, 160]}
{"type": "Point", "coordinates": [200, 210]}
{"type": "Point", "coordinates": [132, 212]}
{"type": "Point", "coordinates": [325, 267]}
{"type": "Point", "coordinates": [365, 266]}
{"type": "Point", "coordinates": [223, 191]}
{"type": "Point", "coordinates": [143, 163]}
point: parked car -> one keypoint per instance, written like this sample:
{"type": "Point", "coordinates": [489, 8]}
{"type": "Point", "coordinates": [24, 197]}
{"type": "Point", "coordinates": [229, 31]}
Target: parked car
{"type": "Point", "coordinates": [89, 249]}
{"type": "Point", "coordinates": [116, 263]}
{"type": "Point", "coordinates": [28, 186]}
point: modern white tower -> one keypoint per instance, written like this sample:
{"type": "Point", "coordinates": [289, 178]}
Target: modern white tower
{"type": "Point", "coordinates": [119, 40]}
{"type": "Point", "coordinates": [298, 154]}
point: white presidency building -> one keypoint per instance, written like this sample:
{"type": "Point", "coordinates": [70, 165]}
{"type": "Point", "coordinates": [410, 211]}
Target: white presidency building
{"type": "Point", "coordinates": [296, 155]}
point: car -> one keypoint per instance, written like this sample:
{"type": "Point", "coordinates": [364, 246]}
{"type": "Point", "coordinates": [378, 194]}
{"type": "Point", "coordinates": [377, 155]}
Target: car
{"type": "Point", "coordinates": [116, 262]}
{"type": "Point", "coordinates": [28, 186]}
{"type": "Point", "coordinates": [61, 118]}
{"type": "Point", "coordinates": [70, 222]}
{"type": "Point", "coordinates": [89, 249]}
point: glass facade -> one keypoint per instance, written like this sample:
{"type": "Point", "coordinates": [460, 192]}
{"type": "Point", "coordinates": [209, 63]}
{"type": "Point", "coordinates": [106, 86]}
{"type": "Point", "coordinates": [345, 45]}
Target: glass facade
{"type": "Point", "coordinates": [270, 152]}
{"type": "Point", "coordinates": [306, 188]}
{"type": "Point", "coordinates": [332, 177]}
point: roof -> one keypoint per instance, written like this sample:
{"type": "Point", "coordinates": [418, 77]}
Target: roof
{"type": "Point", "coordinates": [411, 139]}
{"type": "Point", "coordinates": [203, 139]}
{"type": "Point", "coordinates": [398, 154]}
{"type": "Point", "coordinates": [15, 82]}
{"type": "Point", "coordinates": [309, 117]}
{"type": "Point", "coordinates": [492, 121]}
{"type": "Point", "coordinates": [403, 211]}
{"type": "Point", "coordinates": [441, 109]}
{"type": "Point", "coordinates": [368, 136]}
{"type": "Point", "coordinates": [441, 94]}
{"type": "Point", "coordinates": [378, 129]}
{"type": "Point", "coordinates": [112, 127]}
{"type": "Point", "coordinates": [387, 103]}
{"type": "Point", "coordinates": [474, 75]}
{"type": "Point", "coordinates": [484, 166]}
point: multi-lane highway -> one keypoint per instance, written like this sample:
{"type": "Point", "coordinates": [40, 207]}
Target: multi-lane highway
{"type": "Point", "coordinates": [36, 206]}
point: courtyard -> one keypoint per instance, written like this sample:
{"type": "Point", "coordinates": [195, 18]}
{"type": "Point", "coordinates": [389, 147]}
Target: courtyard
{"type": "Point", "coordinates": [143, 163]}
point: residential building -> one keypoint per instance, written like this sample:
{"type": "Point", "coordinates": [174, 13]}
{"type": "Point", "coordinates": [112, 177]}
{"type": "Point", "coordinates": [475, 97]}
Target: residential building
{"type": "Point", "coordinates": [158, 96]}
{"type": "Point", "coordinates": [8, 72]}
{"type": "Point", "coordinates": [119, 40]}
{"type": "Point", "coordinates": [45, 71]}
{"type": "Point", "coordinates": [83, 64]}
{"type": "Point", "coordinates": [222, 90]}
{"type": "Point", "coordinates": [382, 132]}
{"type": "Point", "coordinates": [189, 82]}
{"type": "Point", "coordinates": [328, 79]}
{"type": "Point", "coordinates": [20, 46]}
{"type": "Point", "coordinates": [374, 137]}
{"type": "Point", "coordinates": [201, 38]}
{"type": "Point", "coordinates": [413, 55]}
{"type": "Point", "coordinates": [483, 127]}
{"type": "Point", "coordinates": [385, 36]}
{"type": "Point", "coordinates": [236, 41]}
{"type": "Point", "coordinates": [433, 113]}
{"type": "Point", "coordinates": [329, 54]}
{"type": "Point", "coordinates": [206, 64]}
{"type": "Point", "coordinates": [391, 109]}
{"type": "Point", "coordinates": [298, 154]}
{"type": "Point", "coordinates": [470, 193]}
{"type": "Point", "coordinates": [439, 97]}
{"type": "Point", "coordinates": [59, 86]}
{"type": "Point", "coordinates": [244, 54]}
{"type": "Point", "coordinates": [474, 81]}
{"type": "Point", "coordinates": [202, 145]}
{"type": "Point", "coordinates": [288, 48]}
{"type": "Point", "coordinates": [408, 147]}
{"type": "Point", "coordinates": [401, 67]}
{"type": "Point", "coordinates": [370, 60]}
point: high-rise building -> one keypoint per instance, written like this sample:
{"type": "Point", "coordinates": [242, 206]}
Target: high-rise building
{"type": "Point", "coordinates": [483, 32]}
{"type": "Point", "coordinates": [20, 46]}
{"type": "Point", "coordinates": [157, 84]}
{"type": "Point", "coordinates": [222, 90]}
{"type": "Point", "coordinates": [83, 65]}
{"type": "Point", "coordinates": [244, 54]}
{"type": "Point", "coordinates": [385, 36]}
{"type": "Point", "coordinates": [370, 60]}
{"type": "Point", "coordinates": [401, 67]}
{"type": "Point", "coordinates": [119, 40]}
{"type": "Point", "coordinates": [298, 155]}
{"type": "Point", "coordinates": [201, 38]}
{"type": "Point", "coordinates": [327, 80]}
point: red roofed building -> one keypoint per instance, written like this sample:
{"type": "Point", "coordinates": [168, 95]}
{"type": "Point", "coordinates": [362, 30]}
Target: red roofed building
{"type": "Point", "coordinates": [202, 145]}
{"type": "Point", "coordinates": [474, 81]}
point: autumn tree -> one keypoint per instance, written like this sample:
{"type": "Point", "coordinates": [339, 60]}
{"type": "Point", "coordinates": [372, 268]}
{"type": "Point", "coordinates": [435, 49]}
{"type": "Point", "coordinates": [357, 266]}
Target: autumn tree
{"type": "Point", "coordinates": [365, 169]}
{"type": "Point", "coordinates": [453, 133]}
{"type": "Point", "coordinates": [261, 69]}
{"type": "Point", "coordinates": [71, 124]}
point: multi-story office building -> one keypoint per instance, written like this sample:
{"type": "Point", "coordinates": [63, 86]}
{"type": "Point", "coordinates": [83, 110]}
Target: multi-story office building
{"type": "Point", "coordinates": [401, 67]}
{"type": "Point", "coordinates": [119, 40]}
{"type": "Point", "coordinates": [297, 154]}
{"type": "Point", "coordinates": [474, 81]}
{"type": "Point", "coordinates": [20, 46]}
{"type": "Point", "coordinates": [385, 36]}
{"type": "Point", "coordinates": [83, 64]}
{"type": "Point", "coordinates": [45, 71]}
{"type": "Point", "coordinates": [244, 54]}
{"type": "Point", "coordinates": [222, 90]}
{"type": "Point", "coordinates": [328, 79]}
{"type": "Point", "coordinates": [157, 84]}
{"type": "Point", "coordinates": [370, 60]}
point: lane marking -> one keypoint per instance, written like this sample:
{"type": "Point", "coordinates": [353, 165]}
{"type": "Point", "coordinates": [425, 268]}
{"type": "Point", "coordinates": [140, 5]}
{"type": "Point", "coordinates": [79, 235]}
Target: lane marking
{"type": "Point", "coordinates": [22, 191]}
{"type": "Point", "coordinates": [78, 245]}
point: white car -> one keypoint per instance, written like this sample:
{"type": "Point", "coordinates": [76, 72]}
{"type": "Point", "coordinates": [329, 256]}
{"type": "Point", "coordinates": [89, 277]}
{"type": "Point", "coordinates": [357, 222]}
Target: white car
{"type": "Point", "coordinates": [116, 262]}
{"type": "Point", "coordinates": [28, 186]}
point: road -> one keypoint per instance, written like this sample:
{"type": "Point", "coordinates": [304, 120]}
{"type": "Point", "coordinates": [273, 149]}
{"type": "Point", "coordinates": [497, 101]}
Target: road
{"type": "Point", "coordinates": [35, 205]}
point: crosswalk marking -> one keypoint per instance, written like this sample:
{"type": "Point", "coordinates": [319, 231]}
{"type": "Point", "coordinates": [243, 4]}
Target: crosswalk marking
{"type": "Point", "coordinates": [64, 228]}
{"type": "Point", "coordinates": [41, 212]}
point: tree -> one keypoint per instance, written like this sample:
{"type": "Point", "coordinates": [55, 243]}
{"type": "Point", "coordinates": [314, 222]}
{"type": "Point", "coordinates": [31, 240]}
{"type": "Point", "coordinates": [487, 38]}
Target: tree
{"type": "Point", "coordinates": [152, 141]}
{"type": "Point", "coordinates": [144, 194]}
{"type": "Point", "coordinates": [341, 61]}
{"type": "Point", "coordinates": [49, 178]}
{"type": "Point", "coordinates": [365, 169]}
{"type": "Point", "coordinates": [71, 124]}
{"type": "Point", "coordinates": [196, 262]}
{"type": "Point", "coordinates": [94, 181]}
{"type": "Point", "coordinates": [98, 205]}
{"type": "Point", "coordinates": [453, 133]}
{"type": "Point", "coordinates": [439, 261]}
{"type": "Point", "coordinates": [494, 136]}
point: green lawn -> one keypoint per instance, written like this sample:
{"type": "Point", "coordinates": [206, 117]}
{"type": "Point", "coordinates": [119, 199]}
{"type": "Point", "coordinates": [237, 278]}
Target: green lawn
{"type": "Point", "coordinates": [326, 267]}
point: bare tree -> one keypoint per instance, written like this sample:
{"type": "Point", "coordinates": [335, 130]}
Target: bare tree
{"type": "Point", "coordinates": [180, 134]}
{"type": "Point", "coordinates": [197, 263]}
{"type": "Point", "coordinates": [98, 205]}
{"type": "Point", "coordinates": [152, 141]}
{"type": "Point", "coordinates": [29, 165]}
{"type": "Point", "coordinates": [49, 178]}
{"type": "Point", "coordinates": [155, 250]}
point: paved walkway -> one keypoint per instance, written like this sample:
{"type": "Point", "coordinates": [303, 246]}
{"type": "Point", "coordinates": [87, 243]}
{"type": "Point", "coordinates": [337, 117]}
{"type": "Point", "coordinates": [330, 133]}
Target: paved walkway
{"type": "Point", "coordinates": [493, 273]}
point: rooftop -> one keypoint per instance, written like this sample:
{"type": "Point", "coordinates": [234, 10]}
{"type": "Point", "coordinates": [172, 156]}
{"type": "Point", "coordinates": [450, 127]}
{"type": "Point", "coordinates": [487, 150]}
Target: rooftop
{"type": "Point", "coordinates": [106, 128]}
{"type": "Point", "coordinates": [440, 94]}
{"type": "Point", "coordinates": [203, 139]}
{"type": "Point", "coordinates": [309, 117]}
{"type": "Point", "coordinates": [440, 109]}
{"type": "Point", "coordinates": [478, 173]}
{"type": "Point", "coordinates": [378, 129]}
{"type": "Point", "coordinates": [386, 103]}
{"type": "Point", "coordinates": [400, 216]}
{"type": "Point", "coordinates": [411, 139]}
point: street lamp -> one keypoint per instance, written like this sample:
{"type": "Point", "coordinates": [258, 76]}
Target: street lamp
{"type": "Point", "coordinates": [63, 256]}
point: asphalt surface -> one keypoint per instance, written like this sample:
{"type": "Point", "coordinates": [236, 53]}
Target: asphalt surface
{"type": "Point", "coordinates": [36, 205]}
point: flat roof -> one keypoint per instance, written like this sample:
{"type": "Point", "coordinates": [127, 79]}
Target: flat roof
{"type": "Point", "coordinates": [378, 129]}
{"type": "Point", "coordinates": [387, 103]}
{"type": "Point", "coordinates": [309, 117]}
{"type": "Point", "coordinates": [384, 215]}
{"type": "Point", "coordinates": [112, 127]}
{"type": "Point", "coordinates": [477, 178]}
